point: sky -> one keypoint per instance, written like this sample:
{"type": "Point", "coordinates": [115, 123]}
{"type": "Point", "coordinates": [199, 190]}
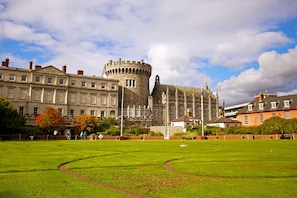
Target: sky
{"type": "Point", "coordinates": [237, 48]}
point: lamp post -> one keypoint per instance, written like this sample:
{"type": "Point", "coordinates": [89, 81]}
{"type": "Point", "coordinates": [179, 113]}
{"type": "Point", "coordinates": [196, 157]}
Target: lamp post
{"type": "Point", "coordinates": [122, 111]}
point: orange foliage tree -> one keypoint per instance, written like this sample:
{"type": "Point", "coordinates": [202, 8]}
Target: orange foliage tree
{"type": "Point", "coordinates": [50, 120]}
{"type": "Point", "coordinates": [85, 122]}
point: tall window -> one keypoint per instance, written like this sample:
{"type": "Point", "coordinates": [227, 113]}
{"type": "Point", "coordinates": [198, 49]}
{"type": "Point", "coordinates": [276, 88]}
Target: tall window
{"type": "Point", "coordinates": [71, 112]}
{"type": "Point", "coordinates": [36, 95]}
{"type": "Point", "coordinates": [83, 98]}
{"type": "Point", "coordinates": [72, 97]}
{"type": "Point", "coordinates": [246, 120]}
{"type": "Point", "coordinates": [103, 100]}
{"type": "Point", "coordinates": [49, 95]}
{"type": "Point", "coordinates": [11, 77]}
{"type": "Point", "coordinates": [23, 94]}
{"type": "Point", "coordinates": [49, 80]}
{"type": "Point", "coordinates": [82, 112]}
{"type": "Point", "coordinates": [37, 79]}
{"type": "Point", "coordinates": [24, 78]}
{"type": "Point", "coordinates": [10, 92]}
{"type": "Point", "coordinates": [113, 100]}
{"type": "Point", "coordinates": [61, 97]}
{"type": "Point", "coordinates": [61, 81]}
{"type": "Point", "coordinates": [102, 114]}
{"type": "Point", "coordinates": [93, 85]}
{"type": "Point", "coordinates": [83, 83]}
{"type": "Point", "coordinates": [261, 118]}
{"type": "Point", "coordinates": [93, 99]}
{"type": "Point", "coordinates": [21, 110]}
{"type": "Point", "coordinates": [35, 111]}
{"type": "Point", "coordinates": [92, 112]}
{"type": "Point", "coordinates": [287, 115]}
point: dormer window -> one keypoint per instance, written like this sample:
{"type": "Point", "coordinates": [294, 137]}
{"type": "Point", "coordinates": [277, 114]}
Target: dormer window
{"type": "Point", "coordinates": [286, 103]}
{"type": "Point", "coordinates": [273, 105]}
{"type": "Point", "coordinates": [250, 107]}
{"type": "Point", "coordinates": [261, 106]}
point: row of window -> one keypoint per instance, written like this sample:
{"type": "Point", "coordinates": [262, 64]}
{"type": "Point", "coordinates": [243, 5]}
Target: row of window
{"type": "Point", "coordinates": [130, 83]}
{"type": "Point", "coordinates": [273, 105]}
{"type": "Point", "coordinates": [62, 81]}
{"type": "Point", "coordinates": [71, 112]}
{"type": "Point", "coordinates": [60, 96]}
{"type": "Point", "coordinates": [261, 118]}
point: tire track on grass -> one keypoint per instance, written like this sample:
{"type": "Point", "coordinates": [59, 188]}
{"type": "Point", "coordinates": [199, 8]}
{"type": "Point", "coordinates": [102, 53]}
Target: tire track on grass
{"type": "Point", "coordinates": [63, 168]}
{"type": "Point", "coordinates": [167, 166]}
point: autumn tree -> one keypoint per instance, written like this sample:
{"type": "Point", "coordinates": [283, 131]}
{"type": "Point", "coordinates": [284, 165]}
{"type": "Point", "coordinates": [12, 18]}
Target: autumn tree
{"type": "Point", "coordinates": [85, 122]}
{"type": "Point", "coordinates": [50, 120]}
{"type": "Point", "coordinates": [10, 119]}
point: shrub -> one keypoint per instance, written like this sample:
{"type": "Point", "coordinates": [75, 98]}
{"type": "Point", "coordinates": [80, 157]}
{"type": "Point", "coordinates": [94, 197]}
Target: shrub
{"type": "Point", "coordinates": [152, 133]}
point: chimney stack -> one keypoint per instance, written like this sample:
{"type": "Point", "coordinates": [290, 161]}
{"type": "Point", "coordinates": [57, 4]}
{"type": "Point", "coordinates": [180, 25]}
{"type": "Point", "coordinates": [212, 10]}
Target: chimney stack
{"type": "Point", "coordinates": [260, 96]}
{"type": "Point", "coordinates": [5, 63]}
{"type": "Point", "coordinates": [64, 68]}
{"type": "Point", "coordinates": [37, 67]}
{"type": "Point", "coordinates": [31, 65]}
{"type": "Point", "coordinates": [80, 72]}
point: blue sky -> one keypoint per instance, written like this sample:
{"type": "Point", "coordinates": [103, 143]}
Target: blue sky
{"type": "Point", "coordinates": [238, 48]}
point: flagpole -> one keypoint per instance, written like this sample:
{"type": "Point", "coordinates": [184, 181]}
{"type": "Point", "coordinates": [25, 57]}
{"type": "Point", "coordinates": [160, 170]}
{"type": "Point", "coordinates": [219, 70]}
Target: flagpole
{"type": "Point", "coordinates": [122, 110]}
{"type": "Point", "coordinates": [202, 112]}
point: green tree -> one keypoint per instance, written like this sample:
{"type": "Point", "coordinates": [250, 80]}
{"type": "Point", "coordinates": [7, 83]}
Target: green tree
{"type": "Point", "coordinates": [50, 120]}
{"type": "Point", "coordinates": [10, 119]}
{"type": "Point", "coordinates": [113, 131]}
{"type": "Point", "coordinates": [106, 124]}
{"type": "Point", "coordinates": [133, 130]}
{"type": "Point", "coordinates": [272, 125]}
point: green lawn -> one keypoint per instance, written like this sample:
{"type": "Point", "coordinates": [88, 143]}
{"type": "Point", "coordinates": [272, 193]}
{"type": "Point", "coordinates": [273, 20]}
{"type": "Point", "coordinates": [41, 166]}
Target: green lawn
{"type": "Point", "coordinates": [201, 169]}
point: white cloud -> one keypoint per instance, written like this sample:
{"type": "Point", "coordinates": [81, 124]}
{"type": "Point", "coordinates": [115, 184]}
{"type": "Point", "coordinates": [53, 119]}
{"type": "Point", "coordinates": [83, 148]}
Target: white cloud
{"type": "Point", "coordinates": [277, 74]}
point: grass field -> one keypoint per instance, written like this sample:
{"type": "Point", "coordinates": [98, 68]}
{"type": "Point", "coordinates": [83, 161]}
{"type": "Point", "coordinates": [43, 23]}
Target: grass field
{"type": "Point", "coordinates": [199, 169]}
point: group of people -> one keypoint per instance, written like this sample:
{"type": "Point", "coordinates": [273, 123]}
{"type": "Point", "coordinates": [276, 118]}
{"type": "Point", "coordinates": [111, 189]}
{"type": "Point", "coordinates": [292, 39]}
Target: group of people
{"type": "Point", "coordinates": [83, 135]}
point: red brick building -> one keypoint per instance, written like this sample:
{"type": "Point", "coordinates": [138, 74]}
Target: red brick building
{"type": "Point", "coordinates": [265, 106]}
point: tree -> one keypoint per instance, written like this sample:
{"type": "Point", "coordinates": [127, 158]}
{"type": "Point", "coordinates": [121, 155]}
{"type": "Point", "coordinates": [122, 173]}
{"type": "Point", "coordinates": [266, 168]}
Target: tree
{"type": "Point", "coordinates": [50, 120]}
{"type": "Point", "coordinates": [85, 122]}
{"type": "Point", "coordinates": [133, 130]}
{"type": "Point", "coordinates": [106, 124]}
{"type": "Point", "coordinates": [10, 119]}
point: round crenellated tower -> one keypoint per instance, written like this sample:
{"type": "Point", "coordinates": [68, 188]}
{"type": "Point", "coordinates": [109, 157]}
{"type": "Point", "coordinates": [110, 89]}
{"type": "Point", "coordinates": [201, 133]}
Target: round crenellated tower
{"type": "Point", "coordinates": [134, 77]}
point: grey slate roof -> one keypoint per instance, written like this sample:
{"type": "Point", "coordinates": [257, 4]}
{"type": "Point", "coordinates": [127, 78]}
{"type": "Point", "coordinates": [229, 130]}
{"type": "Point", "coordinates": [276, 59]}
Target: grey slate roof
{"type": "Point", "coordinates": [224, 120]}
{"type": "Point", "coordinates": [267, 102]}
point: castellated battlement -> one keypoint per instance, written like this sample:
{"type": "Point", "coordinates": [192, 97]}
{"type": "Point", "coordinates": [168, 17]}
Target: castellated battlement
{"type": "Point", "coordinates": [134, 77]}
{"type": "Point", "coordinates": [126, 67]}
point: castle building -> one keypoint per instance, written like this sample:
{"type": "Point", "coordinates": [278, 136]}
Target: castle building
{"type": "Point", "coordinates": [170, 102]}
{"type": "Point", "coordinates": [133, 79]}
{"type": "Point", "coordinates": [32, 90]}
